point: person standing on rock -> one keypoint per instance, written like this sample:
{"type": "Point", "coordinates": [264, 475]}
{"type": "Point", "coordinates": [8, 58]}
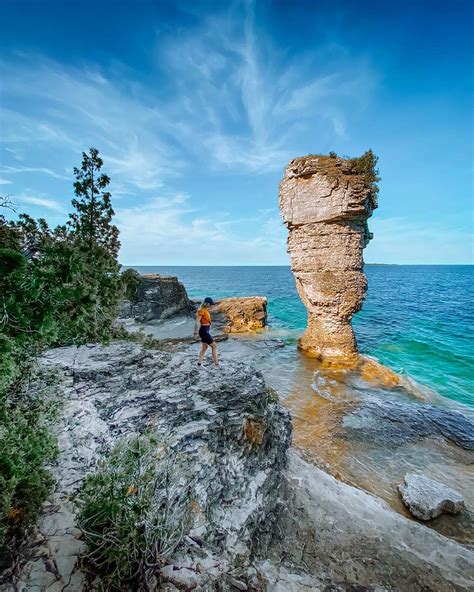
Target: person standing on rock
{"type": "Point", "coordinates": [203, 328]}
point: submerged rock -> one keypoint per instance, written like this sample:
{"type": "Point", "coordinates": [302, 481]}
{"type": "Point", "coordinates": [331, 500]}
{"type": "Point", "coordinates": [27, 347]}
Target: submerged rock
{"type": "Point", "coordinates": [325, 207]}
{"type": "Point", "coordinates": [388, 422]}
{"type": "Point", "coordinates": [157, 297]}
{"type": "Point", "coordinates": [427, 498]}
{"type": "Point", "coordinates": [223, 421]}
{"type": "Point", "coordinates": [241, 315]}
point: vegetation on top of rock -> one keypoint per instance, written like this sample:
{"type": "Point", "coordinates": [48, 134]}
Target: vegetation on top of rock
{"type": "Point", "coordinates": [57, 286]}
{"type": "Point", "coordinates": [136, 511]}
{"type": "Point", "coordinates": [334, 165]}
{"type": "Point", "coordinates": [131, 280]}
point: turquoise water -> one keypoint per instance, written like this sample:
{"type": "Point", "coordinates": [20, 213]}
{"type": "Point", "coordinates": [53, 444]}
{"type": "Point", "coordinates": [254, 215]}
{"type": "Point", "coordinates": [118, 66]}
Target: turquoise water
{"type": "Point", "coordinates": [416, 319]}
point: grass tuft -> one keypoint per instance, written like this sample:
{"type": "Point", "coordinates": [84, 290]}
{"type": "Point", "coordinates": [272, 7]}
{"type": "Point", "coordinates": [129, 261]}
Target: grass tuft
{"type": "Point", "coordinates": [136, 510]}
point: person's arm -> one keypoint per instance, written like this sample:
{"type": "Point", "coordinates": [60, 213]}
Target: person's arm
{"type": "Point", "coordinates": [196, 325]}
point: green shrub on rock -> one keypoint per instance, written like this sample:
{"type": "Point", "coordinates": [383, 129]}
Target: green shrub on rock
{"type": "Point", "coordinates": [136, 510]}
{"type": "Point", "coordinates": [26, 445]}
{"type": "Point", "coordinates": [131, 280]}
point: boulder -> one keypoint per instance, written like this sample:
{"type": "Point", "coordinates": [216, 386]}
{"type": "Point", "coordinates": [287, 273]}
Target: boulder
{"type": "Point", "coordinates": [241, 315]}
{"type": "Point", "coordinates": [157, 297]}
{"type": "Point", "coordinates": [325, 205]}
{"type": "Point", "coordinates": [427, 498]}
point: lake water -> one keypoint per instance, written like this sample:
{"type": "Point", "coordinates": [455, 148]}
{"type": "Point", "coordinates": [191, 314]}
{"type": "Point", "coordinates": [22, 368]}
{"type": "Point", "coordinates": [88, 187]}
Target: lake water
{"type": "Point", "coordinates": [416, 319]}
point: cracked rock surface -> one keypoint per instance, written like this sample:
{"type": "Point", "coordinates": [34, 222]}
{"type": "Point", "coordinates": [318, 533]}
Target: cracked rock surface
{"type": "Point", "coordinates": [232, 433]}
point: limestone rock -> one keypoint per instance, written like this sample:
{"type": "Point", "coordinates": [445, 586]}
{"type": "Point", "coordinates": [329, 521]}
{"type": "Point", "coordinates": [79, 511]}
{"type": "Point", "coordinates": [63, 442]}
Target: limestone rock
{"type": "Point", "coordinates": [340, 533]}
{"type": "Point", "coordinates": [325, 207]}
{"type": "Point", "coordinates": [389, 422]}
{"type": "Point", "coordinates": [158, 297]}
{"type": "Point", "coordinates": [427, 498]}
{"type": "Point", "coordinates": [241, 315]}
{"type": "Point", "coordinates": [233, 435]}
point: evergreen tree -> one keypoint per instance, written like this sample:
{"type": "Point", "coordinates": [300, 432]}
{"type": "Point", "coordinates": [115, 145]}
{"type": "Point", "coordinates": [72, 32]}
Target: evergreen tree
{"type": "Point", "coordinates": [92, 222]}
{"type": "Point", "coordinates": [93, 235]}
{"type": "Point", "coordinates": [57, 287]}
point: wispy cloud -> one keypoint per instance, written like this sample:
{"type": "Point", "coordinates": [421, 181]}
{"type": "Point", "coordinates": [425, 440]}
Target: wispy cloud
{"type": "Point", "coordinates": [5, 182]}
{"type": "Point", "coordinates": [225, 98]}
{"type": "Point", "coordinates": [251, 105]}
{"type": "Point", "coordinates": [41, 202]}
{"type": "Point", "coordinates": [25, 169]}
{"type": "Point", "coordinates": [233, 100]}
{"type": "Point", "coordinates": [170, 230]}
{"type": "Point", "coordinates": [77, 108]}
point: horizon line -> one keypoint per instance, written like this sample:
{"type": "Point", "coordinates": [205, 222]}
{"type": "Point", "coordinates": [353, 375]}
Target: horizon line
{"type": "Point", "coordinates": [288, 265]}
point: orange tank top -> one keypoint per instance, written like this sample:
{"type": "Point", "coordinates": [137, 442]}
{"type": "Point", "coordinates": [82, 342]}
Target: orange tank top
{"type": "Point", "coordinates": [204, 316]}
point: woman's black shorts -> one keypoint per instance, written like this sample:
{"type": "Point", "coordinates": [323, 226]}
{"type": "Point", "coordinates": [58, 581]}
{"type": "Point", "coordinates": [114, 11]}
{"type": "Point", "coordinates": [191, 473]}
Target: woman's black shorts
{"type": "Point", "coordinates": [205, 335]}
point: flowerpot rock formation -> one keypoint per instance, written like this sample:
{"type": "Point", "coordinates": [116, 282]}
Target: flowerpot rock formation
{"type": "Point", "coordinates": [325, 202]}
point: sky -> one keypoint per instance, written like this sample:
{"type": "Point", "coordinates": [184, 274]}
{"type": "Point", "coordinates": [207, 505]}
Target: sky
{"type": "Point", "coordinates": [197, 106]}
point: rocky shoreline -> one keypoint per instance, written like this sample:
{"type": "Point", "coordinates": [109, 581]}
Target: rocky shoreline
{"type": "Point", "coordinates": [267, 519]}
{"type": "Point", "coordinates": [263, 519]}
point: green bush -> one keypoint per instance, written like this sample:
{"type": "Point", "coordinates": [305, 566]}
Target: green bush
{"type": "Point", "coordinates": [26, 445]}
{"type": "Point", "coordinates": [131, 280]}
{"type": "Point", "coordinates": [135, 511]}
{"type": "Point", "coordinates": [57, 287]}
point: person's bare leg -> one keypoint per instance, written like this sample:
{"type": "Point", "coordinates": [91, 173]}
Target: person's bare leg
{"type": "Point", "coordinates": [202, 352]}
{"type": "Point", "coordinates": [214, 353]}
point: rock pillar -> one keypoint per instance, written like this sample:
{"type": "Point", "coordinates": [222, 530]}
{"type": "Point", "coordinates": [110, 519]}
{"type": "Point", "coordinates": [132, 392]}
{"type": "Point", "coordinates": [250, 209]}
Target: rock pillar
{"type": "Point", "coordinates": [325, 202]}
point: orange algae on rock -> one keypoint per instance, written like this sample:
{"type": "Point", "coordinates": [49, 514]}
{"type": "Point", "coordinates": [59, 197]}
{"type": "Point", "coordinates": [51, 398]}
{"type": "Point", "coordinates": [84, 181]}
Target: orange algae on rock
{"type": "Point", "coordinates": [377, 374]}
{"type": "Point", "coordinates": [253, 431]}
{"type": "Point", "coordinates": [243, 314]}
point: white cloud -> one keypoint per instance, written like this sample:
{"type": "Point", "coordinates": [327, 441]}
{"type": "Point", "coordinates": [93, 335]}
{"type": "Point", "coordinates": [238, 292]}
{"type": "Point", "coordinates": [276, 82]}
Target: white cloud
{"type": "Point", "coordinates": [233, 100]}
{"type": "Point", "coordinates": [42, 202]}
{"type": "Point", "coordinates": [77, 108]}
{"type": "Point", "coordinates": [224, 97]}
{"type": "Point", "coordinates": [5, 182]}
{"type": "Point", "coordinates": [251, 107]}
{"type": "Point", "coordinates": [170, 230]}
{"type": "Point", "coordinates": [25, 169]}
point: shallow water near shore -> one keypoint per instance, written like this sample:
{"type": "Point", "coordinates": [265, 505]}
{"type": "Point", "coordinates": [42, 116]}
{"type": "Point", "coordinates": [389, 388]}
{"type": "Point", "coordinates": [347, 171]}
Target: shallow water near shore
{"type": "Point", "coordinates": [416, 320]}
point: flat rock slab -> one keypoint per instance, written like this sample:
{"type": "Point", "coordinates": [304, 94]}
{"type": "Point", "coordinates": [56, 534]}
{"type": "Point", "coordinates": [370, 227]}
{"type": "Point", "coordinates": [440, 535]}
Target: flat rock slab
{"type": "Point", "coordinates": [427, 498]}
{"type": "Point", "coordinates": [343, 534]}
{"type": "Point", "coordinates": [393, 423]}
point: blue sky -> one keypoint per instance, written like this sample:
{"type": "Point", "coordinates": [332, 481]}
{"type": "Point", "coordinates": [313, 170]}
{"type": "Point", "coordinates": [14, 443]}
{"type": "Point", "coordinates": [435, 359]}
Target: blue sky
{"type": "Point", "coordinates": [197, 106]}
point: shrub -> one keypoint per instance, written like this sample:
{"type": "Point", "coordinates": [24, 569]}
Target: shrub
{"type": "Point", "coordinates": [135, 511]}
{"type": "Point", "coordinates": [131, 280]}
{"type": "Point", "coordinates": [26, 446]}
{"type": "Point", "coordinates": [366, 165]}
